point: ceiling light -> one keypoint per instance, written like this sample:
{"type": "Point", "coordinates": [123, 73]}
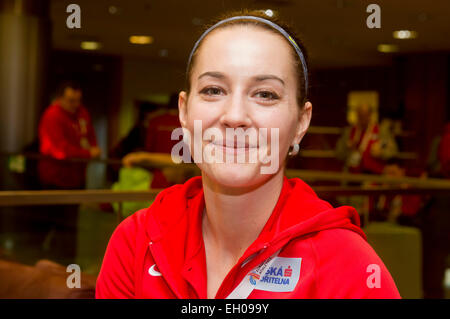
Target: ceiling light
{"type": "Point", "coordinates": [268, 13]}
{"type": "Point", "coordinates": [141, 39]}
{"type": "Point", "coordinates": [404, 34]}
{"type": "Point", "coordinates": [387, 48]}
{"type": "Point", "coordinates": [90, 45]}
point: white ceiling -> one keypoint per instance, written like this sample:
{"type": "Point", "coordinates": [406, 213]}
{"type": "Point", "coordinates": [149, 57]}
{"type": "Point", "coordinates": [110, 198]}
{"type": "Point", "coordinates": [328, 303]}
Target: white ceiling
{"type": "Point", "coordinates": [334, 31]}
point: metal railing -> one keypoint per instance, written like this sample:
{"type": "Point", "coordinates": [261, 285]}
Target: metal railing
{"type": "Point", "coordinates": [386, 186]}
{"type": "Point", "coordinates": [416, 186]}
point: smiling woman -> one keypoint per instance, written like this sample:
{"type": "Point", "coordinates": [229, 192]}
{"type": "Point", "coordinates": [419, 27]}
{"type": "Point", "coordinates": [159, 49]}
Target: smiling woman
{"type": "Point", "coordinates": [236, 232]}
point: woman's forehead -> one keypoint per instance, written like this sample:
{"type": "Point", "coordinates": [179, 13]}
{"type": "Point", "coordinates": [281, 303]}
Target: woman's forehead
{"type": "Point", "coordinates": [244, 49]}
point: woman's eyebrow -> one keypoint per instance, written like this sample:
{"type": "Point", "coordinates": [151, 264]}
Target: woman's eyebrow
{"type": "Point", "coordinates": [263, 77]}
{"type": "Point", "coordinates": [257, 78]}
{"type": "Point", "coordinates": [217, 75]}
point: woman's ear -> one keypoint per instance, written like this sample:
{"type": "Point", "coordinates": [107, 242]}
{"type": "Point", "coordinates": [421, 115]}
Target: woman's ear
{"type": "Point", "coordinates": [182, 108]}
{"type": "Point", "coordinates": [303, 122]}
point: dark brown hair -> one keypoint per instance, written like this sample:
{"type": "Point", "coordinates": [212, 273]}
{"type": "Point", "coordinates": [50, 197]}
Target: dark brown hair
{"type": "Point", "coordinates": [63, 85]}
{"type": "Point", "coordinates": [301, 90]}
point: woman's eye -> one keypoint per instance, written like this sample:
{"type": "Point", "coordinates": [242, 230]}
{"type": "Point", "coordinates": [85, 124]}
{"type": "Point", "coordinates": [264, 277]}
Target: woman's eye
{"type": "Point", "coordinates": [267, 95]}
{"type": "Point", "coordinates": [211, 91]}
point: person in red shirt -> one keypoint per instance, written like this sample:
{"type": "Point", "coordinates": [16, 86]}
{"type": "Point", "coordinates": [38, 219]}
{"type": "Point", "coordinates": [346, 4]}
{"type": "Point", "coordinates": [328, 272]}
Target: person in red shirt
{"type": "Point", "coordinates": [160, 127]}
{"type": "Point", "coordinates": [158, 140]}
{"type": "Point", "coordinates": [65, 132]}
{"type": "Point", "coordinates": [360, 145]}
{"type": "Point", "coordinates": [242, 230]}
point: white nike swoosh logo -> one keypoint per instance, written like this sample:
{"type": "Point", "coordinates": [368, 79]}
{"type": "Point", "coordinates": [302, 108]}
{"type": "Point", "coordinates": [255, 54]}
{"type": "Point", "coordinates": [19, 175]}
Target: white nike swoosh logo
{"type": "Point", "coordinates": [153, 272]}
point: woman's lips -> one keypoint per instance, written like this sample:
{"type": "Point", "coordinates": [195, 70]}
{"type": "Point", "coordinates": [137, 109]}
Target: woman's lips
{"type": "Point", "coordinates": [233, 144]}
{"type": "Point", "coordinates": [234, 148]}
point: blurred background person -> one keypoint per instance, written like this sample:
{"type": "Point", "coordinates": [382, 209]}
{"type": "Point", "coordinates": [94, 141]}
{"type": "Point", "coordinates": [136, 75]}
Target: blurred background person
{"type": "Point", "coordinates": [362, 147]}
{"type": "Point", "coordinates": [397, 208]}
{"type": "Point", "coordinates": [158, 140]}
{"type": "Point", "coordinates": [160, 128]}
{"type": "Point", "coordinates": [135, 140]}
{"type": "Point", "coordinates": [158, 147]}
{"type": "Point", "coordinates": [65, 132]}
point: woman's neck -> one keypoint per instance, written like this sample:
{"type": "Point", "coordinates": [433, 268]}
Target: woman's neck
{"type": "Point", "coordinates": [232, 222]}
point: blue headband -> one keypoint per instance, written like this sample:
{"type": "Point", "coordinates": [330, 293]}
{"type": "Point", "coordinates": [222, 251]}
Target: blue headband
{"type": "Point", "coordinates": [265, 21]}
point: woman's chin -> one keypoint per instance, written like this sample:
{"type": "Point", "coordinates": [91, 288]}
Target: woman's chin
{"type": "Point", "coordinates": [235, 175]}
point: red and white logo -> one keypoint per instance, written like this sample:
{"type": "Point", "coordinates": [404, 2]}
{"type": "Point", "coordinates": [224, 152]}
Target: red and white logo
{"type": "Point", "coordinates": [288, 272]}
{"type": "Point", "coordinates": [153, 271]}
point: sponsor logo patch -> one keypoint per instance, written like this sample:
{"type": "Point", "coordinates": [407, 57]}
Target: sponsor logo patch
{"type": "Point", "coordinates": [281, 276]}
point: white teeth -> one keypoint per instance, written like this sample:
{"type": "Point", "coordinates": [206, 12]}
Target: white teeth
{"type": "Point", "coordinates": [240, 146]}
{"type": "Point", "coordinates": [233, 146]}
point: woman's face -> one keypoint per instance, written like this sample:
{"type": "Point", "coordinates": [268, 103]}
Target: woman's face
{"type": "Point", "coordinates": [244, 77]}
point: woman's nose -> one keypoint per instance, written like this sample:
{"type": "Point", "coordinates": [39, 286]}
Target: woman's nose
{"type": "Point", "coordinates": [235, 113]}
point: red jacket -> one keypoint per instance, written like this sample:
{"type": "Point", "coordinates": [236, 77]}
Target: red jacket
{"type": "Point", "coordinates": [158, 252]}
{"type": "Point", "coordinates": [64, 135]}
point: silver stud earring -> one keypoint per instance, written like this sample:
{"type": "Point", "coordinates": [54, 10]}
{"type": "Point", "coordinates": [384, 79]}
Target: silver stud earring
{"type": "Point", "coordinates": [293, 150]}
